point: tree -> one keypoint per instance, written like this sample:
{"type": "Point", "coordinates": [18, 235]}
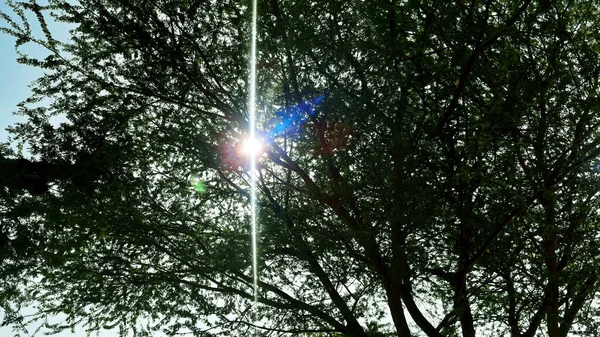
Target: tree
{"type": "Point", "coordinates": [428, 162]}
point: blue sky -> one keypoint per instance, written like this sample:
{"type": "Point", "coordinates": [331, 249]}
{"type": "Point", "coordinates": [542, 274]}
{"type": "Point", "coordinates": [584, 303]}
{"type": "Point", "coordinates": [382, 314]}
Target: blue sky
{"type": "Point", "coordinates": [14, 81]}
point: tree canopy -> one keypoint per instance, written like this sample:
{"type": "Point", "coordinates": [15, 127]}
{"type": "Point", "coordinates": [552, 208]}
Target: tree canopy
{"type": "Point", "coordinates": [428, 168]}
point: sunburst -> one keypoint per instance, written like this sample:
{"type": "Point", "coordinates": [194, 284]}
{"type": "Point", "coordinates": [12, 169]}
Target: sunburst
{"type": "Point", "coordinates": [252, 146]}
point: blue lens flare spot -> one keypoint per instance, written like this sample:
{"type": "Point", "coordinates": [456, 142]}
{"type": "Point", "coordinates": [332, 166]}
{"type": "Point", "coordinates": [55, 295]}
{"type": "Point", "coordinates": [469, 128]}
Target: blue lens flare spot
{"type": "Point", "coordinates": [294, 117]}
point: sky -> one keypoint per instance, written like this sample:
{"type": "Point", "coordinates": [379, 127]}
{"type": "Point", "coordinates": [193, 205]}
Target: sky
{"type": "Point", "coordinates": [14, 81]}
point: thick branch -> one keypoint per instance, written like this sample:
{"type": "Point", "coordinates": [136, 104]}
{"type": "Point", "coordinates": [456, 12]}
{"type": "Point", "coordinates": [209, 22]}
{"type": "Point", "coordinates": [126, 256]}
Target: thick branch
{"type": "Point", "coordinates": [312, 260]}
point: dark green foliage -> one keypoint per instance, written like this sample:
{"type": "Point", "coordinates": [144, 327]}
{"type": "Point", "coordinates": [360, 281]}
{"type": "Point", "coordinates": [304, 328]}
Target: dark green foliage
{"type": "Point", "coordinates": [444, 186]}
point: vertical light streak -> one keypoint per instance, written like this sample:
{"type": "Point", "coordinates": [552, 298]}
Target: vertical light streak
{"type": "Point", "coordinates": [253, 154]}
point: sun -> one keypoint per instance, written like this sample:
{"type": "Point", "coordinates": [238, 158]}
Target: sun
{"type": "Point", "coordinates": [252, 146]}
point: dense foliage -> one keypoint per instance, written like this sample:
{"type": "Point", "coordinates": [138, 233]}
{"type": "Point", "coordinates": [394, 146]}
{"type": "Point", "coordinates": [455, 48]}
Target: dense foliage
{"type": "Point", "coordinates": [428, 168]}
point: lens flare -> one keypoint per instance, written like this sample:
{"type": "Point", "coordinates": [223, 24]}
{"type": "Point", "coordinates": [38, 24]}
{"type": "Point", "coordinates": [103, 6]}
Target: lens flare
{"type": "Point", "coordinates": [198, 184]}
{"type": "Point", "coordinates": [252, 147]}
{"type": "Point", "coordinates": [252, 140]}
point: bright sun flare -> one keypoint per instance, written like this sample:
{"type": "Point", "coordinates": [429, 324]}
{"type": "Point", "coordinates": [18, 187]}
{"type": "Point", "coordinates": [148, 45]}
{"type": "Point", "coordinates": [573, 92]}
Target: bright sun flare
{"type": "Point", "coordinates": [252, 146]}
